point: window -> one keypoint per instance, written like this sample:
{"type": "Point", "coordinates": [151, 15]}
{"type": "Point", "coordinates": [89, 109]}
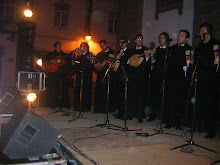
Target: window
{"type": "Point", "coordinates": [61, 15]}
{"type": "Point", "coordinates": [7, 11]}
{"type": "Point", "coordinates": [113, 22]}
{"type": "Point", "coordinates": [8, 18]}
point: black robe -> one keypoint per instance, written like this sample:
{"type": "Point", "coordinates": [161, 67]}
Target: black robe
{"type": "Point", "coordinates": [137, 85]}
{"type": "Point", "coordinates": [100, 104]}
{"type": "Point", "coordinates": [119, 78]}
{"type": "Point", "coordinates": [206, 102]}
{"type": "Point", "coordinates": [53, 80]}
{"type": "Point", "coordinates": [156, 79]}
{"type": "Point", "coordinates": [83, 68]}
{"type": "Point", "coordinates": [176, 85]}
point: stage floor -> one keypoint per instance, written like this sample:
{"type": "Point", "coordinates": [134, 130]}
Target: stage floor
{"type": "Point", "coordinates": [112, 147]}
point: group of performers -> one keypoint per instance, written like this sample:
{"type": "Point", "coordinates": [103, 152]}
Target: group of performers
{"type": "Point", "coordinates": [169, 79]}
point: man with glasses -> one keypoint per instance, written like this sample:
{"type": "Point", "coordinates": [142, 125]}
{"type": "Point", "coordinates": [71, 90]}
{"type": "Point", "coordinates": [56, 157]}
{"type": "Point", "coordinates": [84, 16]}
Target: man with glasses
{"type": "Point", "coordinates": [138, 79]}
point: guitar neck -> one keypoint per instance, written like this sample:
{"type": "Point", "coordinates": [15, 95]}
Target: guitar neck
{"type": "Point", "coordinates": [148, 51]}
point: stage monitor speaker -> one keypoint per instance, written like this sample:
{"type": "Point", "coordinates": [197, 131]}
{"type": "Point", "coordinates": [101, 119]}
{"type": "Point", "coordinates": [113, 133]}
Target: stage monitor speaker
{"type": "Point", "coordinates": [9, 98]}
{"type": "Point", "coordinates": [27, 135]}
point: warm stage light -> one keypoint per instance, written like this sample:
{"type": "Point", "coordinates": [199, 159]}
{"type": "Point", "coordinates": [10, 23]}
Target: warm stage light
{"type": "Point", "coordinates": [39, 62]}
{"type": "Point", "coordinates": [88, 38]}
{"type": "Point", "coordinates": [28, 13]}
{"type": "Point", "coordinates": [31, 97]}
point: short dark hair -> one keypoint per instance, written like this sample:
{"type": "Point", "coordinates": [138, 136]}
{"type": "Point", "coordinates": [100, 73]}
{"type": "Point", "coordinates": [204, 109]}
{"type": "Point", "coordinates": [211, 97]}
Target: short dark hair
{"type": "Point", "coordinates": [208, 27]}
{"type": "Point", "coordinates": [185, 31]}
{"type": "Point", "coordinates": [102, 41]}
{"type": "Point", "coordinates": [166, 36]}
{"type": "Point", "coordinates": [139, 35]}
{"type": "Point", "coordinates": [123, 38]}
{"type": "Point", "coordinates": [55, 44]}
{"type": "Point", "coordinates": [85, 44]}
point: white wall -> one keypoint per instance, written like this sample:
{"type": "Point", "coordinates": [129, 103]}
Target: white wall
{"type": "Point", "coordinates": [169, 22]}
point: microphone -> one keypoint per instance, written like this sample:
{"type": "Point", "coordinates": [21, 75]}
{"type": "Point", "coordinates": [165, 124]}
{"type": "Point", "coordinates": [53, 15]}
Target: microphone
{"type": "Point", "coordinates": [198, 36]}
{"type": "Point", "coordinates": [169, 40]}
{"type": "Point", "coordinates": [185, 69]}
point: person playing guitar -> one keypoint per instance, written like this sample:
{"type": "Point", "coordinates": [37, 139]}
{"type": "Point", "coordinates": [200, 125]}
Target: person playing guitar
{"type": "Point", "coordinates": [118, 76]}
{"type": "Point", "coordinates": [51, 61]}
{"type": "Point", "coordinates": [103, 59]}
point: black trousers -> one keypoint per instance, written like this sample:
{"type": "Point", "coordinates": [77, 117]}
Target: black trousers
{"type": "Point", "coordinates": [136, 98]}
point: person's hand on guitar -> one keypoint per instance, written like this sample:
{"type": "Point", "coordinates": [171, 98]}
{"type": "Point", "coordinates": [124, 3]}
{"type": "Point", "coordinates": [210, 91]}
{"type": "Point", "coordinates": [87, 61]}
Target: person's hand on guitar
{"type": "Point", "coordinates": [78, 52]}
{"type": "Point", "coordinates": [146, 54]}
{"type": "Point", "coordinates": [104, 62]}
{"type": "Point", "coordinates": [118, 57]}
{"type": "Point", "coordinates": [132, 59]}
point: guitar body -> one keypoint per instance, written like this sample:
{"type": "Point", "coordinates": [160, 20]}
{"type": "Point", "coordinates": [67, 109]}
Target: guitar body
{"type": "Point", "coordinates": [102, 64]}
{"type": "Point", "coordinates": [55, 67]}
{"type": "Point", "coordinates": [137, 60]}
{"type": "Point", "coordinates": [117, 62]}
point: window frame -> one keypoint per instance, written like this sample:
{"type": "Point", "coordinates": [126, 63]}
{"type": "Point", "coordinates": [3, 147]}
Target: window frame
{"type": "Point", "coordinates": [61, 16]}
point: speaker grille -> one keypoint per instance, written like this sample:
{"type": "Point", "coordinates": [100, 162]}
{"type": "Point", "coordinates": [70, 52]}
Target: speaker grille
{"type": "Point", "coordinates": [26, 134]}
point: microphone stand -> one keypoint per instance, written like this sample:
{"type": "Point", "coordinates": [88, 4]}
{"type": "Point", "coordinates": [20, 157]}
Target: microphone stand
{"type": "Point", "coordinates": [80, 100]}
{"type": "Point", "coordinates": [125, 129]}
{"type": "Point", "coordinates": [191, 140]}
{"type": "Point", "coordinates": [107, 122]}
{"type": "Point", "coordinates": [160, 130]}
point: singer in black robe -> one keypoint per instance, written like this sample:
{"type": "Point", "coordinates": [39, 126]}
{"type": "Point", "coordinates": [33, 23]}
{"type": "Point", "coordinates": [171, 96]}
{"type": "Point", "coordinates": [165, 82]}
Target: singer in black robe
{"type": "Point", "coordinates": [101, 86]}
{"type": "Point", "coordinates": [175, 87]}
{"type": "Point", "coordinates": [119, 76]}
{"type": "Point", "coordinates": [207, 54]}
{"type": "Point", "coordinates": [83, 67]}
{"type": "Point", "coordinates": [157, 74]}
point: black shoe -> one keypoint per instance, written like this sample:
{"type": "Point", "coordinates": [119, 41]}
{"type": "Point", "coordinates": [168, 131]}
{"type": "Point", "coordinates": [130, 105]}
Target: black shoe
{"type": "Point", "coordinates": [178, 127]}
{"type": "Point", "coordinates": [140, 121]}
{"type": "Point", "coordinates": [151, 118]}
{"type": "Point", "coordinates": [210, 135]}
{"type": "Point", "coordinates": [168, 126]}
{"type": "Point", "coordinates": [118, 116]}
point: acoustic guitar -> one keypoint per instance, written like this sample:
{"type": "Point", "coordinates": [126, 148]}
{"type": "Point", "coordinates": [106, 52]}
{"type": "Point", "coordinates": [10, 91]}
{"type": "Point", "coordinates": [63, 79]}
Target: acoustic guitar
{"type": "Point", "coordinates": [117, 62]}
{"type": "Point", "coordinates": [138, 58]}
{"type": "Point", "coordinates": [99, 65]}
{"type": "Point", "coordinates": [55, 67]}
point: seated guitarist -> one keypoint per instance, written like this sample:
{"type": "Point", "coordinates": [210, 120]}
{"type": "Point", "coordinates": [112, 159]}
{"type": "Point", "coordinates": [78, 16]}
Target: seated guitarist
{"type": "Point", "coordinates": [53, 78]}
{"type": "Point", "coordinates": [138, 78]}
{"type": "Point", "coordinates": [103, 58]}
